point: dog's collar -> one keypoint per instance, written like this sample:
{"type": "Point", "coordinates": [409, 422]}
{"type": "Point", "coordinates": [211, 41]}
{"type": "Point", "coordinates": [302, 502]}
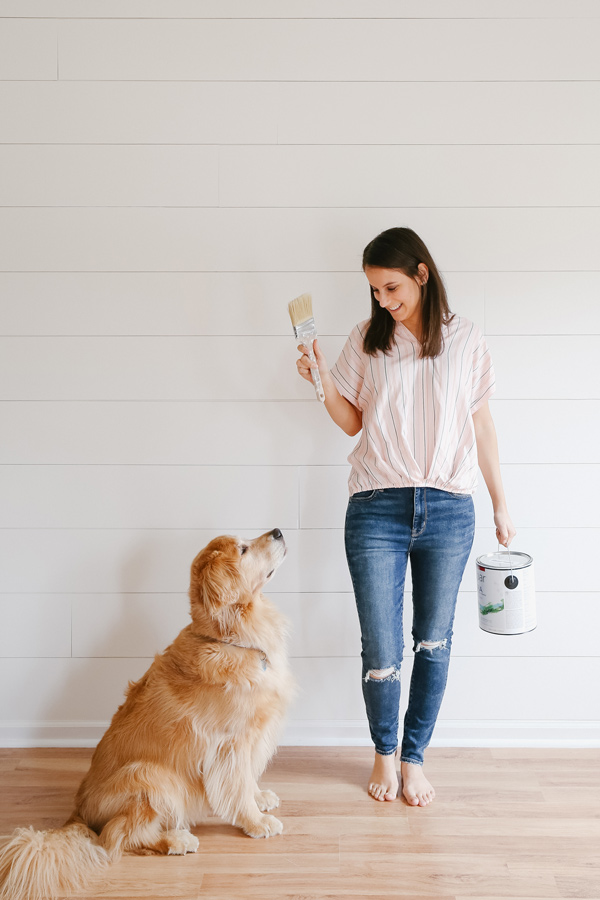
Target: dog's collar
{"type": "Point", "coordinates": [263, 656]}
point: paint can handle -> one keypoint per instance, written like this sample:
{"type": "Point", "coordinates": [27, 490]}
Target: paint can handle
{"type": "Point", "coordinates": [511, 581]}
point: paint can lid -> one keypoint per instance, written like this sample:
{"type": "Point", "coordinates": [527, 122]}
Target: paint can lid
{"type": "Point", "coordinates": [502, 559]}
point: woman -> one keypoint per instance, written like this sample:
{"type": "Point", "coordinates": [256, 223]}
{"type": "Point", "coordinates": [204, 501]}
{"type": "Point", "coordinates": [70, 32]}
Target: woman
{"type": "Point", "coordinates": [415, 380]}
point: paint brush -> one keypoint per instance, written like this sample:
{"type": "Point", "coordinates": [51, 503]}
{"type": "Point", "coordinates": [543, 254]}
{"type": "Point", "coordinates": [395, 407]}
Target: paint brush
{"type": "Point", "coordinates": [305, 330]}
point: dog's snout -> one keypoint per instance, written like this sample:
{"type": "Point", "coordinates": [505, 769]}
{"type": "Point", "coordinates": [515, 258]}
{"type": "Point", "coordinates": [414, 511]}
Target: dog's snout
{"type": "Point", "coordinates": [276, 534]}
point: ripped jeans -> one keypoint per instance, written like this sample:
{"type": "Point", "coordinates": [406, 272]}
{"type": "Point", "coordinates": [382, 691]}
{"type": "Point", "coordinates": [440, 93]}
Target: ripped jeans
{"type": "Point", "coordinates": [383, 529]}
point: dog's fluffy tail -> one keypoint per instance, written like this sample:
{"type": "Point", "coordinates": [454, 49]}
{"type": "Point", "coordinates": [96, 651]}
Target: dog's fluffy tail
{"type": "Point", "coordinates": [38, 865]}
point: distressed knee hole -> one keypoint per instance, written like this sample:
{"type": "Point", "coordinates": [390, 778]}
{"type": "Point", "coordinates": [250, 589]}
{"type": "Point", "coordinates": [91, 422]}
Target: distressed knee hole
{"type": "Point", "coordinates": [389, 674]}
{"type": "Point", "coordinates": [431, 645]}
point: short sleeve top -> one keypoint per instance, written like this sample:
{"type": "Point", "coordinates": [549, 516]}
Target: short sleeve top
{"type": "Point", "coordinates": [417, 414]}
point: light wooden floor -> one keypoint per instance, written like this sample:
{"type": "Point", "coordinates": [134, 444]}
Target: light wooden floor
{"type": "Point", "coordinates": [505, 823]}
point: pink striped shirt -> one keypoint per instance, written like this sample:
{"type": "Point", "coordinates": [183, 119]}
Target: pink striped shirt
{"type": "Point", "coordinates": [417, 426]}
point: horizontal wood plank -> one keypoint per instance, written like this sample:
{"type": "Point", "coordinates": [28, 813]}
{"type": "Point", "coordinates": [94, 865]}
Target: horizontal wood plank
{"type": "Point", "coordinates": [275, 49]}
{"type": "Point", "coordinates": [298, 240]}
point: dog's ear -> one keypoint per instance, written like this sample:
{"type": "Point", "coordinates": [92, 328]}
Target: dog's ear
{"type": "Point", "coordinates": [215, 581]}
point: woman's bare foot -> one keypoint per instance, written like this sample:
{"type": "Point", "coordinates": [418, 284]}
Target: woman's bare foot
{"type": "Point", "coordinates": [415, 787]}
{"type": "Point", "coordinates": [384, 778]}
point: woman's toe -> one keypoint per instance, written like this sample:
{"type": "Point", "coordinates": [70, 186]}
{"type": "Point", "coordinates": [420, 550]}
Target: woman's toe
{"type": "Point", "coordinates": [375, 791]}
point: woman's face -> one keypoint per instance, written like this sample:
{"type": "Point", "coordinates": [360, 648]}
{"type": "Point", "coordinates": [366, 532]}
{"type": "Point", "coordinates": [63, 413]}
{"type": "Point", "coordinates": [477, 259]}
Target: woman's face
{"type": "Point", "coordinates": [397, 292]}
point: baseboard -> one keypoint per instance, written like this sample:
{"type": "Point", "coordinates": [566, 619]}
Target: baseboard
{"type": "Point", "coordinates": [354, 733]}
{"type": "Point", "coordinates": [454, 733]}
{"type": "Point", "coordinates": [51, 734]}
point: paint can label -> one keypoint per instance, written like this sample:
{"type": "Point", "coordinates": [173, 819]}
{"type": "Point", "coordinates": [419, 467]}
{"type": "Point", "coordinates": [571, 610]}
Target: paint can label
{"type": "Point", "coordinates": [504, 609]}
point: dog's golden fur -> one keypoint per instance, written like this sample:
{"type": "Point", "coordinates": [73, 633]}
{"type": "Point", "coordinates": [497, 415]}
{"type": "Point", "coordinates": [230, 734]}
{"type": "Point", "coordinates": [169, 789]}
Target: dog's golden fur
{"type": "Point", "coordinates": [194, 734]}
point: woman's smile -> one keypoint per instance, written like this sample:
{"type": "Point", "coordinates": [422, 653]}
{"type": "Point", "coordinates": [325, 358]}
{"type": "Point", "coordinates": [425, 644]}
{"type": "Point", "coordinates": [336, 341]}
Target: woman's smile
{"type": "Point", "coordinates": [388, 286]}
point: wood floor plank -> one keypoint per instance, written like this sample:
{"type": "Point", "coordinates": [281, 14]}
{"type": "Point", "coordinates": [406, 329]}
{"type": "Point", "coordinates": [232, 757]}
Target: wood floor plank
{"type": "Point", "coordinates": [46, 752]}
{"type": "Point", "coordinates": [247, 889]}
{"type": "Point", "coordinates": [474, 809]}
{"type": "Point", "coordinates": [424, 864]}
{"type": "Point", "coordinates": [23, 776]}
{"type": "Point", "coordinates": [149, 878]}
{"type": "Point", "coordinates": [575, 794]}
{"type": "Point", "coordinates": [520, 825]}
{"type": "Point", "coordinates": [578, 851]}
{"type": "Point", "coordinates": [505, 825]}
{"type": "Point", "coordinates": [516, 754]}
{"type": "Point", "coordinates": [269, 863]}
{"type": "Point", "coordinates": [220, 838]}
{"type": "Point", "coordinates": [358, 824]}
{"type": "Point", "coordinates": [578, 886]}
{"type": "Point", "coordinates": [559, 866]}
{"type": "Point", "coordinates": [379, 884]}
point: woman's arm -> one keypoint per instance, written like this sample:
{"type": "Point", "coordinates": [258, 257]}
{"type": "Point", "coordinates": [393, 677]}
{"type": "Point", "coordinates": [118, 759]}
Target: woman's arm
{"type": "Point", "coordinates": [343, 413]}
{"type": "Point", "coordinates": [489, 463]}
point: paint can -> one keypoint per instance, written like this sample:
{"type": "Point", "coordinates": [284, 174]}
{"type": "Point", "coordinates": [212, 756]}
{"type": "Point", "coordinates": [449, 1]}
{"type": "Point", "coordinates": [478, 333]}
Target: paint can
{"type": "Point", "coordinates": [506, 592]}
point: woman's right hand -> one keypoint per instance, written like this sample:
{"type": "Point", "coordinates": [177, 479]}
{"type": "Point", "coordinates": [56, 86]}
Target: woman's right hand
{"type": "Point", "coordinates": [343, 413]}
{"type": "Point", "coordinates": [304, 364]}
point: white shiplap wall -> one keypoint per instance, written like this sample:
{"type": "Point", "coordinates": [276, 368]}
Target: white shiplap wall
{"type": "Point", "coordinates": [171, 174]}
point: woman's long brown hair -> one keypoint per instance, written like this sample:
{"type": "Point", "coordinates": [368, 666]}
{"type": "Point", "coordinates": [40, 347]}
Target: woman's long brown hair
{"type": "Point", "coordinates": [403, 249]}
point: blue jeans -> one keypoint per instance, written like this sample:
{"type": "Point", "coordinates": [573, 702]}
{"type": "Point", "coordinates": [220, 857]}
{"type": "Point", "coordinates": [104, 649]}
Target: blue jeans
{"type": "Point", "coordinates": [383, 529]}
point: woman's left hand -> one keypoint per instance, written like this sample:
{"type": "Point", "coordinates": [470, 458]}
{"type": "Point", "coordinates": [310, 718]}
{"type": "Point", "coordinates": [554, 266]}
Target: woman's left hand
{"type": "Point", "coordinates": [505, 530]}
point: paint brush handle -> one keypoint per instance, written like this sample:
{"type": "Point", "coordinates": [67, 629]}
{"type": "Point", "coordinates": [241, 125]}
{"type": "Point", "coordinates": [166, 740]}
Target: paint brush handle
{"type": "Point", "coordinates": [314, 373]}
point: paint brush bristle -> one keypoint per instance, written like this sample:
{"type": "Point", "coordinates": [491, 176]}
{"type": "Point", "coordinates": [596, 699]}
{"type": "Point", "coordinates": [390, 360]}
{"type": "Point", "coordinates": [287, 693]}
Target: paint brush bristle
{"type": "Point", "coordinates": [300, 309]}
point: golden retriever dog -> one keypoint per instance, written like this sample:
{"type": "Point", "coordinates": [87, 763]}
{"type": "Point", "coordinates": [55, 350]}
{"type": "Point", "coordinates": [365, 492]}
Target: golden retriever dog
{"type": "Point", "coordinates": [193, 735]}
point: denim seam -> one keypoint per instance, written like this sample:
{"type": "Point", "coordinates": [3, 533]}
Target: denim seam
{"type": "Point", "coordinates": [412, 535]}
{"type": "Point", "coordinates": [408, 706]}
{"type": "Point", "coordinates": [371, 496]}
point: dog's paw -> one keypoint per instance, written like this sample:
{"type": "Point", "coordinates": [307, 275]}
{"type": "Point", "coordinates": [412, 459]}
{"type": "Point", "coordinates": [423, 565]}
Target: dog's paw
{"type": "Point", "coordinates": [181, 842]}
{"type": "Point", "coordinates": [266, 800]}
{"type": "Point", "coordinates": [266, 826]}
